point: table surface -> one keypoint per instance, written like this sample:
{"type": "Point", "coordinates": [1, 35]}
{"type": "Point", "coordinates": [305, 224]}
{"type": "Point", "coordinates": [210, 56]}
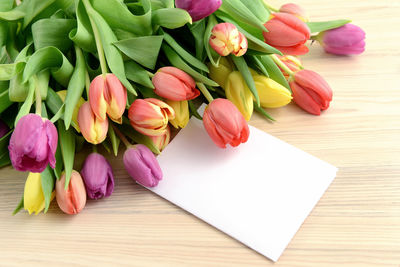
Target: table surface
{"type": "Point", "coordinates": [357, 221]}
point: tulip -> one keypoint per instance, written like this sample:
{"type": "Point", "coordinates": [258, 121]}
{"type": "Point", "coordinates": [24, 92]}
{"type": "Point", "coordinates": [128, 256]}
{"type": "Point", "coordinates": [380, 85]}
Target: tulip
{"type": "Point", "coordinates": [225, 124]}
{"type": "Point", "coordinates": [63, 94]}
{"type": "Point", "coordinates": [346, 40]}
{"type": "Point", "coordinates": [33, 144]}
{"type": "Point", "coordinates": [199, 9]}
{"type": "Point", "coordinates": [226, 38]}
{"type": "Point", "coordinates": [93, 129]}
{"type": "Point", "coordinates": [142, 165]}
{"type": "Point", "coordinates": [294, 9]}
{"type": "Point", "coordinates": [310, 91]}
{"type": "Point", "coordinates": [161, 141]}
{"type": "Point", "coordinates": [174, 84]}
{"type": "Point", "coordinates": [73, 199]}
{"type": "Point", "coordinates": [4, 129]}
{"type": "Point", "coordinates": [220, 74]}
{"type": "Point", "coordinates": [271, 93]}
{"type": "Point", "coordinates": [181, 109]}
{"type": "Point", "coordinates": [287, 33]}
{"type": "Point", "coordinates": [150, 116]}
{"type": "Point", "coordinates": [292, 62]}
{"type": "Point", "coordinates": [98, 176]}
{"type": "Point", "coordinates": [108, 96]}
{"type": "Point", "coordinates": [238, 93]}
{"type": "Point", "coordinates": [33, 194]}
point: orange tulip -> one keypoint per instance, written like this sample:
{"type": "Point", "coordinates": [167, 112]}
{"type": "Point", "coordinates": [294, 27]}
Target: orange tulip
{"type": "Point", "coordinates": [92, 128]}
{"type": "Point", "coordinates": [72, 200]}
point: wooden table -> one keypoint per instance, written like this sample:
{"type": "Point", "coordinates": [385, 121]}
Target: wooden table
{"type": "Point", "coordinates": [357, 221]}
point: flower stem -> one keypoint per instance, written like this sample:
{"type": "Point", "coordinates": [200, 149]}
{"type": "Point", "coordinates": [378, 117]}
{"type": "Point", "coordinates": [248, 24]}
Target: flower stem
{"type": "Point", "coordinates": [99, 45]}
{"type": "Point", "coordinates": [94, 147]}
{"type": "Point", "coordinates": [205, 92]}
{"type": "Point", "coordinates": [282, 65]}
{"type": "Point", "coordinates": [151, 75]}
{"type": "Point", "coordinates": [269, 6]}
{"type": "Point", "coordinates": [38, 97]}
{"type": "Point", "coordinates": [121, 136]}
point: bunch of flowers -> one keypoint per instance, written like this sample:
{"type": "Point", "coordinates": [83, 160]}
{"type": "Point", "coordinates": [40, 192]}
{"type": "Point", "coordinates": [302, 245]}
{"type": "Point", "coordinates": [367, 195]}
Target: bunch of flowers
{"type": "Point", "coordinates": [106, 71]}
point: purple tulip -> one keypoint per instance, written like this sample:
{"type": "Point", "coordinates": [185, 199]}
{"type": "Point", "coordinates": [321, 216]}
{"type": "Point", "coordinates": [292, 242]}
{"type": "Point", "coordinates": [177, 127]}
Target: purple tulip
{"type": "Point", "coordinates": [3, 129]}
{"type": "Point", "coordinates": [142, 165]}
{"type": "Point", "coordinates": [33, 144]}
{"type": "Point", "coordinates": [98, 176]}
{"type": "Point", "coordinates": [346, 40]}
{"type": "Point", "coordinates": [199, 9]}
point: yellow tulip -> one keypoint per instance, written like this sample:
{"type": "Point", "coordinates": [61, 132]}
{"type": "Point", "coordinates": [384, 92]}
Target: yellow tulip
{"type": "Point", "coordinates": [33, 194]}
{"type": "Point", "coordinates": [181, 109]}
{"type": "Point", "coordinates": [220, 74]}
{"type": "Point", "coordinates": [271, 93]}
{"type": "Point", "coordinates": [63, 94]}
{"type": "Point", "coordinates": [238, 93]}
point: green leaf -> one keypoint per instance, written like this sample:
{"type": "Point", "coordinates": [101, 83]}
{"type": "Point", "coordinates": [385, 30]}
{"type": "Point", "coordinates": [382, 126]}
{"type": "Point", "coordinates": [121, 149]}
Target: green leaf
{"type": "Point", "coordinates": [59, 162]}
{"type": "Point", "coordinates": [244, 70]}
{"type": "Point", "coordinates": [184, 54]}
{"type": "Point", "coordinates": [49, 58]}
{"type": "Point", "coordinates": [138, 74]}
{"type": "Point", "coordinates": [257, 8]}
{"type": "Point", "coordinates": [4, 142]}
{"type": "Point", "coordinates": [53, 101]}
{"type": "Point", "coordinates": [198, 30]}
{"type": "Point", "coordinates": [177, 61]}
{"type": "Point", "coordinates": [157, 4]}
{"type": "Point", "coordinates": [171, 18]}
{"type": "Point", "coordinates": [47, 180]}
{"type": "Point", "coordinates": [59, 114]}
{"type": "Point", "coordinates": [26, 106]}
{"type": "Point", "coordinates": [4, 159]}
{"type": "Point", "coordinates": [53, 32]}
{"type": "Point", "coordinates": [273, 70]}
{"type": "Point", "coordinates": [19, 206]}
{"type": "Point", "coordinates": [212, 21]}
{"type": "Point", "coordinates": [8, 71]}
{"type": "Point", "coordinates": [261, 111]}
{"type": "Point", "coordinates": [67, 143]}
{"type": "Point", "coordinates": [4, 101]}
{"type": "Point", "coordinates": [113, 56]}
{"type": "Point", "coordinates": [118, 15]}
{"type": "Point", "coordinates": [326, 25]}
{"type": "Point", "coordinates": [144, 50]}
{"type": "Point", "coordinates": [83, 35]}
{"type": "Point", "coordinates": [114, 140]}
{"type": "Point", "coordinates": [75, 87]}
{"type": "Point", "coordinates": [139, 138]}
{"type": "Point", "coordinates": [257, 64]}
{"type": "Point", "coordinates": [193, 110]}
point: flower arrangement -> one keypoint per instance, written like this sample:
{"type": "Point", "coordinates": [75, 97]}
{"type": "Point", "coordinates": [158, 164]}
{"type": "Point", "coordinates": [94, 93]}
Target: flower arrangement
{"type": "Point", "coordinates": [108, 71]}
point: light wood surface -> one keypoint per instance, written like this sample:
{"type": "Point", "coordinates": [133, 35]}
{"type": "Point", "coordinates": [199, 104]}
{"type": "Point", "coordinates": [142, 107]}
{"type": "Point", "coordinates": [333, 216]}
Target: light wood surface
{"type": "Point", "coordinates": [357, 221]}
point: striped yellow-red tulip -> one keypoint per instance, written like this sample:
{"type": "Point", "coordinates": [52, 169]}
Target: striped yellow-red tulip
{"type": "Point", "coordinates": [93, 129]}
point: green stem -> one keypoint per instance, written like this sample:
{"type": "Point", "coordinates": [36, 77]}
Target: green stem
{"type": "Point", "coordinates": [94, 147]}
{"type": "Point", "coordinates": [269, 6]}
{"type": "Point", "coordinates": [87, 84]}
{"type": "Point", "coordinates": [282, 65]}
{"type": "Point", "coordinates": [38, 97]}
{"type": "Point", "coordinates": [121, 136]}
{"type": "Point", "coordinates": [151, 75]}
{"type": "Point", "coordinates": [205, 92]}
{"type": "Point", "coordinates": [99, 45]}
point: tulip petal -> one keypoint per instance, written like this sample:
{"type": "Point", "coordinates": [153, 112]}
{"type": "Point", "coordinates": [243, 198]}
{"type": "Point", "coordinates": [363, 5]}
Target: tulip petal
{"type": "Point", "coordinates": [304, 100]}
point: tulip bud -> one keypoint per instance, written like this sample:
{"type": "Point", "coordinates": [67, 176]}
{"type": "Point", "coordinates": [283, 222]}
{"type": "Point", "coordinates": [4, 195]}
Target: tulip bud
{"type": "Point", "coordinates": [220, 74]}
{"type": "Point", "coordinates": [199, 9]}
{"type": "Point", "coordinates": [150, 116]}
{"type": "Point", "coordinates": [142, 165]}
{"type": "Point", "coordinates": [93, 129]}
{"type": "Point", "coordinates": [238, 93]}
{"type": "Point", "coordinates": [287, 33]}
{"type": "Point", "coordinates": [174, 84]}
{"type": "Point", "coordinates": [72, 200]}
{"type": "Point", "coordinates": [74, 122]}
{"type": "Point", "coordinates": [98, 176]}
{"type": "Point", "coordinates": [346, 40]}
{"type": "Point", "coordinates": [33, 144]}
{"type": "Point", "coordinates": [4, 129]}
{"type": "Point", "coordinates": [181, 109]}
{"type": "Point", "coordinates": [161, 141]}
{"type": "Point", "coordinates": [271, 93]}
{"type": "Point", "coordinates": [310, 91]}
{"type": "Point", "coordinates": [226, 38]}
{"type": "Point", "coordinates": [107, 95]}
{"type": "Point", "coordinates": [225, 124]}
{"type": "Point", "coordinates": [34, 200]}
{"type": "Point", "coordinates": [294, 9]}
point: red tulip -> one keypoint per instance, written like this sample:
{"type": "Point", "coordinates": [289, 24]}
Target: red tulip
{"type": "Point", "coordinates": [287, 33]}
{"type": "Point", "coordinates": [174, 84]}
{"type": "Point", "coordinates": [310, 91]}
{"type": "Point", "coordinates": [225, 124]}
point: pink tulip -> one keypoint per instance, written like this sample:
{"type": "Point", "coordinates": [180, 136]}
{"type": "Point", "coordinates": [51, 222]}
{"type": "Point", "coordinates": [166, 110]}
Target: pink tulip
{"type": "Point", "coordinates": [73, 199]}
{"type": "Point", "coordinates": [33, 144]}
{"type": "Point", "coordinates": [150, 116]}
{"type": "Point", "coordinates": [108, 96]}
{"type": "Point", "coordinates": [199, 9]}
{"type": "Point", "coordinates": [294, 9]}
{"type": "Point", "coordinates": [346, 40]}
{"type": "Point", "coordinates": [174, 84]}
{"type": "Point", "coordinates": [225, 124]}
{"type": "Point", "coordinates": [92, 128]}
{"type": "Point", "coordinates": [226, 39]}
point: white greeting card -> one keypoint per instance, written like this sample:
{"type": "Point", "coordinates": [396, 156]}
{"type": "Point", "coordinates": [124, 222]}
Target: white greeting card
{"type": "Point", "coordinates": [259, 193]}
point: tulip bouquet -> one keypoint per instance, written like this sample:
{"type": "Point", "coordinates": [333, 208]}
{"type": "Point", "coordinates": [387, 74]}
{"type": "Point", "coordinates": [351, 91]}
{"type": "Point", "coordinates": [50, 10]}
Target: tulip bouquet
{"type": "Point", "coordinates": [105, 71]}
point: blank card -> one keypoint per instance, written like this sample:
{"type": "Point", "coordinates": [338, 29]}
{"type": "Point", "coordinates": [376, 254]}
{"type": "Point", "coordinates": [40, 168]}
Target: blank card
{"type": "Point", "coordinates": [258, 193]}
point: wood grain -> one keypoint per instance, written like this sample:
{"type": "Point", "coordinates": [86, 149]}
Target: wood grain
{"type": "Point", "coordinates": [357, 222]}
